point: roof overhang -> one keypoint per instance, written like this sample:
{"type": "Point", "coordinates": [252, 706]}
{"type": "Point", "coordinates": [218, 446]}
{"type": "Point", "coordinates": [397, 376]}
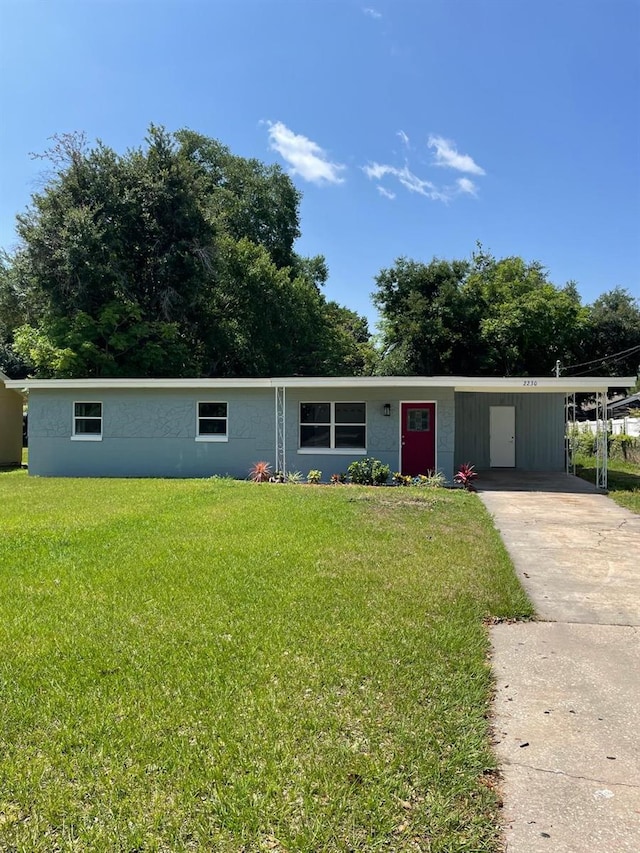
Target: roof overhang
{"type": "Point", "coordinates": [512, 384]}
{"type": "Point", "coordinates": [8, 383]}
{"type": "Point", "coordinates": [545, 385]}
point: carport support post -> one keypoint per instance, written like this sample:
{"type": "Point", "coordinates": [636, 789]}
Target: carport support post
{"type": "Point", "coordinates": [570, 427]}
{"type": "Point", "coordinates": [601, 439]}
{"type": "Point", "coordinates": [281, 460]}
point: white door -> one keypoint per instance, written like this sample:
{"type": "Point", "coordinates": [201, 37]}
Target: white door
{"type": "Point", "coordinates": [502, 437]}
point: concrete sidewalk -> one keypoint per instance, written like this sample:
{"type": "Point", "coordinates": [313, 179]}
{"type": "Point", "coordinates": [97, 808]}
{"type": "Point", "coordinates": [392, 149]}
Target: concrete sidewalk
{"type": "Point", "coordinates": [567, 706]}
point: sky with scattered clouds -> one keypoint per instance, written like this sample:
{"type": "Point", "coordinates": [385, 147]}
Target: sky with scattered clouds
{"type": "Point", "coordinates": [412, 127]}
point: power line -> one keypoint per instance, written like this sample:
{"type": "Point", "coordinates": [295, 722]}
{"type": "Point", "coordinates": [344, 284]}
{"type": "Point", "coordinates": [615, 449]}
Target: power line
{"type": "Point", "coordinates": [604, 358]}
{"type": "Point", "coordinates": [592, 369]}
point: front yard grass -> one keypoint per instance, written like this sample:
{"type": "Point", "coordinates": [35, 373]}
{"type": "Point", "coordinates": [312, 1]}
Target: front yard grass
{"type": "Point", "coordinates": [623, 480]}
{"type": "Point", "coordinates": [208, 665]}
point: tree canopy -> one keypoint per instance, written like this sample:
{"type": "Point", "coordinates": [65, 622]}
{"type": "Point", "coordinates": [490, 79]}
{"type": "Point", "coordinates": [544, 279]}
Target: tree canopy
{"type": "Point", "coordinates": [177, 258]}
{"type": "Point", "coordinates": [488, 317]}
{"type": "Point", "coordinates": [174, 259]}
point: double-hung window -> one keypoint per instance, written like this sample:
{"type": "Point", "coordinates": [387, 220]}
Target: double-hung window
{"type": "Point", "coordinates": [87, 421]}
{"type": "Point", "coordinates": [333, 426]}
{"type": "Point", "coordinates": [212, 422]}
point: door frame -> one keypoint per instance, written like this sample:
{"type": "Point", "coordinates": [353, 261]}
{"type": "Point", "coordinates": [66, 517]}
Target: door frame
{"type": "Point", "coordinates": [435, 430]}
{"type": "Point", "coordinates": [515, 435]}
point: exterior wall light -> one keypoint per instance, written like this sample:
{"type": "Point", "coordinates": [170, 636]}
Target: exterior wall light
{"type": "Point", "coordinates": [386, 410]}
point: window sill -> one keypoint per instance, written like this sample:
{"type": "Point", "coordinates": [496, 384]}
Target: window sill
{"type": "Point", "coordinates": [86, 438]}
{"type": "Point", "coordinates": [333, 451]}
{"type": "Point", "coordinates": [212, 438]}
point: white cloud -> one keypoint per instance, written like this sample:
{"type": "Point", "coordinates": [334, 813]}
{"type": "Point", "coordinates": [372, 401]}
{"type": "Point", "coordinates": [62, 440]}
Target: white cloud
{"type": "Point", "coordinates": [448, 156]}
{"type": "Point", "coordinates": [466, 185]}
{"type": "Point", "coordinates": [386, 193]}
{"type": "Point", "coordinates": [372, 13]}
{"type": "Point", "coordinates": [303, 156]}
{"type": "Point", "coordinates": [413, 183]}
{"type": "Point", "coordinates": [377, 171]}
{"type": "Point", "coordinates": [406, 178]}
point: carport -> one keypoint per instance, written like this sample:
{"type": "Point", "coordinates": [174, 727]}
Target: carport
{"type": "Point", "coordinates": [549, 482]}
{"type": "Point", "coordinates": [520, 424]}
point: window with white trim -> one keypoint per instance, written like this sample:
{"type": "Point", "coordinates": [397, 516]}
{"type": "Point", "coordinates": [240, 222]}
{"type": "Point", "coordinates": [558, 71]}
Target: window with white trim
{"type": "Point", "coordinates": [87, 421]}
{"type": "Point", "coordinates": [212, 420]}
{"type": "Point", "coordinates": [333, 426]}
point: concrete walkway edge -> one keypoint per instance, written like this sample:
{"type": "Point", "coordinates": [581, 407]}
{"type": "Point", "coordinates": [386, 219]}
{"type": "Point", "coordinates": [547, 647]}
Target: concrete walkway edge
{"type": "Point", "coordinates": [567, 702]}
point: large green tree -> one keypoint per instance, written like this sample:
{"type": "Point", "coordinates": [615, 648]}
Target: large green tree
{"type": "Point", "coordinates": [480, 317]}
{"type": "Point", "coordinates": [424, 318]}
{"type": "Point", "coordinates": [526, 323]}
{"type": "Point", "coordinates": [612, 343]}
{"type": "Point", "coordinates": [175, 258]}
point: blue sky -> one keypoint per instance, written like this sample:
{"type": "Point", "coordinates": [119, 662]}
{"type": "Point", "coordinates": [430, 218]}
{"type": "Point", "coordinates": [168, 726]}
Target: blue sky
{"type": "Point", "coordinates": [412, 128]}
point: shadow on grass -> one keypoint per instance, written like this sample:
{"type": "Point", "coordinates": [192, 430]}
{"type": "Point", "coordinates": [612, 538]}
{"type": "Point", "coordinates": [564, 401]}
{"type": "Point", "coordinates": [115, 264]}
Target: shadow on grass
{"type": "Point", "coordinates": [618, 481]}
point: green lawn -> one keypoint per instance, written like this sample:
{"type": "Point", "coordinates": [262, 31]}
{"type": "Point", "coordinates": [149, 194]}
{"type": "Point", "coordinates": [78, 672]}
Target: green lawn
{"type": "Point", "coordinates": [623, 479]}
{"type": "Point", "coordinates": [209, 665]}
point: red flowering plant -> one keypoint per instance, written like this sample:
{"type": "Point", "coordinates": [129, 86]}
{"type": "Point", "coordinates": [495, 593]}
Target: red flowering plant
{"type": "Point", "coordinates": [465, 476]}
{"type": "Point", "coordinates": [260, 472]}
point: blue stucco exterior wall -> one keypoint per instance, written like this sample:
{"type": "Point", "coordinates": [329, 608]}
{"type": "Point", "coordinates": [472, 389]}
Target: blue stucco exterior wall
{"type": "Point", "coordinates": [540, 429]}
{"type": "Point", "coordinates": [383, 433]}
{"type": "Point", "coordinates": [149, 433]}
{"type": "Point", "coordinates": [152, 432]}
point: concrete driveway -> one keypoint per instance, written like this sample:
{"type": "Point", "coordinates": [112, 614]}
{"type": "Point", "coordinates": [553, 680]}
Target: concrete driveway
{"type": "Point", "coordinates": [567, 705]}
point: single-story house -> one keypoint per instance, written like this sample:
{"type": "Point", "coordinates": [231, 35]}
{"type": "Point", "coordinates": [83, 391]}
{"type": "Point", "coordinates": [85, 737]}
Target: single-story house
{"type": "Point", "coordinates": [627, 406]}
{"type": "Point", "coordinates": [10, 425]}
{"type": "Point", "coordinates": [621, 407]}
{"type": "Point", "coordinates": [201, 427]}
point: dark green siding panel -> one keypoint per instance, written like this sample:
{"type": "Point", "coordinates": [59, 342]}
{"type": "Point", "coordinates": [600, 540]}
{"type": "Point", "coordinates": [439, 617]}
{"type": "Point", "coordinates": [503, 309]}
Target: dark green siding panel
{"type": "Point", "coordinates": [539, 429]}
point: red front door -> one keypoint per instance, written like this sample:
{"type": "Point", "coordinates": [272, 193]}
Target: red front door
{"type": "Point", "coordinates": [418, 438]}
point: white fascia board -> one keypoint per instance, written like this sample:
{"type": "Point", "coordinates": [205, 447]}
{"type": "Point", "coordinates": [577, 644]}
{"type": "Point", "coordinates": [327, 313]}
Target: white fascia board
{"type": "Point", "coordinates": [520, 384]}
{"type": "Point", "coordinates": [285, 381]}
{"type": "Point", "coordinates": [544, 384]}
{"type": "Point", "coordinates": [367, 381]}
{"type": "Point", "coordinates": [97, 384]}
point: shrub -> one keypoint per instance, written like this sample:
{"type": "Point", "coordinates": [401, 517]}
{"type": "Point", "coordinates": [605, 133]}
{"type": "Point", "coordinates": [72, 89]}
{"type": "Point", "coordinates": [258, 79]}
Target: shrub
{"type": "Point", "coordinates": [260, 472]}
{"type": "Point", "coordinates": [465, 476]}
{"type": "Point", "coordinates": [314, 476]}
{"type": "Point", "coordinates": [431, 480]}
{"type": "Point", "coordinates": [369, 472]}
{"type": "Point", "coordinates": [623, 446]}
{"type": "Point", "coordinates": [402, 479]}
{"type": "Point", "coordinates": [337, 479]}
{"type": "Point", "coordinates": [294, 477]}
{"type": "Point", "coordinates": [380, 474]}
{"type": "Point", "coordinates": [581, 440]}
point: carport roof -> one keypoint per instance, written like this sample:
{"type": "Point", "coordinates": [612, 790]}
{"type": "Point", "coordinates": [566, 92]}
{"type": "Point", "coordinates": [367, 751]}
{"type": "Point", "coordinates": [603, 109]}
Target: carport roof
{"type": "Point", "coordinates": [487, 384]}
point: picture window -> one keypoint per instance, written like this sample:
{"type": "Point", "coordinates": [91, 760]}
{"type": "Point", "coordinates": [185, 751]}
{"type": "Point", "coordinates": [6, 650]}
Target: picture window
{"type": "Point", "coordinates": [333, 426]}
